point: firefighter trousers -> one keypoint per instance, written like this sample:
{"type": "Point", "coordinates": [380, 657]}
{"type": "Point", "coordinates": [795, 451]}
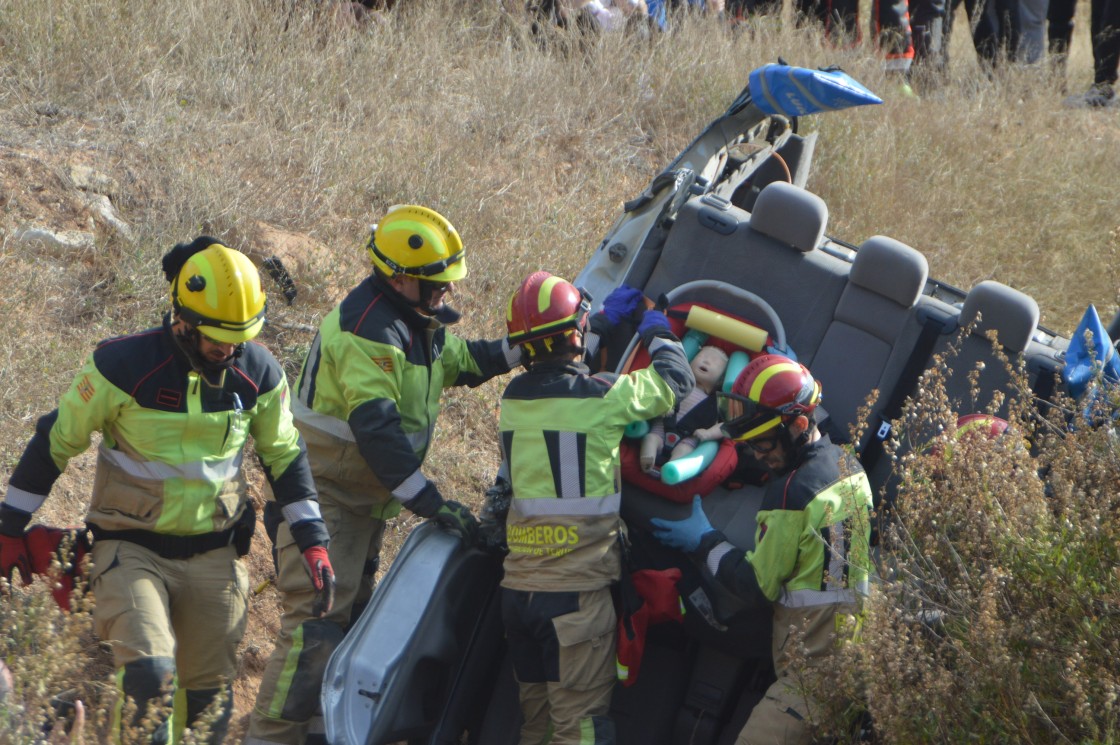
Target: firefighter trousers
{"type": "Point", "coordinates": [287, 707]}
{"type": "Point", "coordinates": [782, 716]}
{"type": "Point", "coordinates": [172, 622]}
{"type": "Point", "coordinates": [563, 649]}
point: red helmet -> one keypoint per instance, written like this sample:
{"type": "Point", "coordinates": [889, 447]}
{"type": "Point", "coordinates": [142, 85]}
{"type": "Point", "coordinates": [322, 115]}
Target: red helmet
{"type": "Point", "coordinates": [970, 428]}
{"type": "Point", "coordinates": [772, 389]}
{"type": "Point", "coordinates": [545, 306]}
{"type": "Point", "coordinates": [985, 424]}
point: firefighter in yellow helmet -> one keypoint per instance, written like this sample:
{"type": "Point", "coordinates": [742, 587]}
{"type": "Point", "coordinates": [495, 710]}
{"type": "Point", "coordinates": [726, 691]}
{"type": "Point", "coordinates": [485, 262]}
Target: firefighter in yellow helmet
{"type": "Point", "coordinates": [366, 402]}
{"type": "Point", "coordinates": [175, 406]}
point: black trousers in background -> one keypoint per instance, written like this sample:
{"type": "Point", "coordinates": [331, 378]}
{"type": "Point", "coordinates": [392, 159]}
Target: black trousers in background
{"type": "Point", "coordinates": [995, 26]}
{"type": "Point", "coordinates": [1104, 30]}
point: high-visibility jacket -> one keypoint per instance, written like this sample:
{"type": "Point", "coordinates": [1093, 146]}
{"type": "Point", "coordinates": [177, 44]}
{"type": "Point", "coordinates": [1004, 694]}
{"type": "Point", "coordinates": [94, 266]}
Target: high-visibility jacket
{"type": "Point", "coordinates": [172, 443]}
{"type": "Point", "coordinates": [812, 537]}
{"type": "Point", "coordinates": [560, 433]}
{"type": "Point", "coordinates": [369, 393]}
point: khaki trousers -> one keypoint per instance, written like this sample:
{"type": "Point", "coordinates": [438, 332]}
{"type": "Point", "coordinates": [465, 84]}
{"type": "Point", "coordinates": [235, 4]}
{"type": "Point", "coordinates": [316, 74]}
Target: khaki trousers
{"type": "Point", "coordinates": [170, 620]}
{"type": "Point", "coordinates": [288, 698]}
{"type": "Point", "coordinates": [782, 717]}
{"type": "Point", "coordinates": [563, 649]}
{"type": "Point", "coordinates": [191, 610]}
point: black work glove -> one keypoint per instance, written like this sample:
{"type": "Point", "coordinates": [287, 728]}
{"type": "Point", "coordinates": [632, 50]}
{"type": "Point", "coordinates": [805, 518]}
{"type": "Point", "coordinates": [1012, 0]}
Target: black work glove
{"type": "Point", "coordinates": [458, 519]}
{"type": "Point", "coordinates": [492, 522]}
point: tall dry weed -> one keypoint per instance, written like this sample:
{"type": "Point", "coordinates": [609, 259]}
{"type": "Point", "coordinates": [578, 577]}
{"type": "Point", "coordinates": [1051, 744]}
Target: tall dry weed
{"type": "Point", "coordinates": [995, 615]}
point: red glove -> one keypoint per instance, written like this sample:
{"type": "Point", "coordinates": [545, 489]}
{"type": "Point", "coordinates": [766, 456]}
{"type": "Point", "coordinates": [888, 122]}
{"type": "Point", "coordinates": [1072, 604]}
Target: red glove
{"type": "Point", "coordinates": [69, 546]}
{"type": "Point", "coordinates": [322, 576]}
{"type": "Point", "coordinates": [14, 556]}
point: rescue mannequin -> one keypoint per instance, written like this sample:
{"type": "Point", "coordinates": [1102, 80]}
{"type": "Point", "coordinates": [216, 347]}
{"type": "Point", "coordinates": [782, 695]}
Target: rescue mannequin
{"type": "Point", "coordinates": [697, 415]}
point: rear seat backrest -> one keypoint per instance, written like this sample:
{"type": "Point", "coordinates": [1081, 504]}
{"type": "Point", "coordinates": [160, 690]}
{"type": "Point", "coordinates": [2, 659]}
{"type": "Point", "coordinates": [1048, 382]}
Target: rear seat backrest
{"type": "Point", "coordinates": [869, 328]}
{"type": "Point", "coordinates": [791, 215]}
{"type": "Point", "coordinates": [770, 252]}
{"type": "Point", "coordinates": [1013, 315]}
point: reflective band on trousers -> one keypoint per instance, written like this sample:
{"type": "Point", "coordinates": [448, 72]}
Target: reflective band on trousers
{"type": "Point", "coordinates": [340, 429]}
{"type": "Point", "coordinates": [809, 598]}
{"type": "Point", "coordinates": [210, 471]}
{"type": "Point", "coordinates": [552, 506]}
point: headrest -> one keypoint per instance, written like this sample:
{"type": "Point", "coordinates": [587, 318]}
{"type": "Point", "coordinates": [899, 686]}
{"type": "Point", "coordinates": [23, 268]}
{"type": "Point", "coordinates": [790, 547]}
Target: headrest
{"type": "Point", "coordinates": [891, 269]}
{"type": "Point", "coordinates": [791, 215]}
{"type": "Point", "coordinates": [1012, 314]}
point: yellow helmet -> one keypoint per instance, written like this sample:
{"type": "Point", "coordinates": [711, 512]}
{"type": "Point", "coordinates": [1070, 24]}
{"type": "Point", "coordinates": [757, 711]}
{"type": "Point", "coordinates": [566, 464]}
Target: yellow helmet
{"type": "Point", "coordinates": [417, 242]}
{"type": "Point", "coordinates": [218, 291]}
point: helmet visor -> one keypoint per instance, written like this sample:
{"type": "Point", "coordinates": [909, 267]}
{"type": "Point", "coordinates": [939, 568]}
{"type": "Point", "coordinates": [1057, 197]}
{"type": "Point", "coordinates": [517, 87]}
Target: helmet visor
{"type": "Point", "coordinates": [224, 332]}
{"type": "Point", "coordinates": [574, 321]}
{"type": "Point", "coordinates": [743, 419]}
{"type": "Point", "coordinates": [226, 335]}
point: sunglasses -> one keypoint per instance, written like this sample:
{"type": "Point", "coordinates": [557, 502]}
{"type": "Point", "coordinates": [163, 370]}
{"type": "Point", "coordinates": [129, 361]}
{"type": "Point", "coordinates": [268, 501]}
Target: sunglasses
{"type": "Point", "coordinates": [762, 445]}
{"type": "Point", "coordinates": [436, 286]}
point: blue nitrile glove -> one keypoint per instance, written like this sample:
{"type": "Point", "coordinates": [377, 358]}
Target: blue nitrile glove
{"type": "Point", "coordinates": [652, 322]}
{"type": "Point", "coordinates": [621, 303]}
{"type": "Point", "coordinates": [684, 534]}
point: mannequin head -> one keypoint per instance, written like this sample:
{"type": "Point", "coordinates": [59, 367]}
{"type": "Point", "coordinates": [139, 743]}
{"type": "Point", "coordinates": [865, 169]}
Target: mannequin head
{"type": "Point", "coordinates": [708, 366]}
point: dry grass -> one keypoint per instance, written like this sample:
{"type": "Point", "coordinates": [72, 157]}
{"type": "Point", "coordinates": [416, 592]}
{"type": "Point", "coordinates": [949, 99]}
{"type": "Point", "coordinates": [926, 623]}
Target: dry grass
{"type": "Point", "coordinates": [994, 617]}
{"type": "Point", "coordinates": [219, 116]}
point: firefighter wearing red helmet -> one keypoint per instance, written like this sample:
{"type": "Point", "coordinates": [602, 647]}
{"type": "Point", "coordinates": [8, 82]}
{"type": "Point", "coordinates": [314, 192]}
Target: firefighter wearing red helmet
{"type": "Point", "coordinates": [810, 561]}
{"type": "Point", "coordinates": [560, 429]}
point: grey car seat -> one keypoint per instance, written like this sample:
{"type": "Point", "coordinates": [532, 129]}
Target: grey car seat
{"type": "Point", "coordinates": [771, 252]}
{"type": "Point", "coordinates": [868, 336]}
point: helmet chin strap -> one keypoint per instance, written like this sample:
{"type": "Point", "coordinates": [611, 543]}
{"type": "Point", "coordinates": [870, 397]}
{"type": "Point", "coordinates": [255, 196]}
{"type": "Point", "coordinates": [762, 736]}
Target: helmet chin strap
{"type": "Point", "coordinates": [188, 340]}
{"type": "Point", "coordinates": [445, 314]}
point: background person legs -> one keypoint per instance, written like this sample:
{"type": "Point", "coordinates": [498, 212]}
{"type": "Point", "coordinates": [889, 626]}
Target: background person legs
{"type": "Point", "coordinates": [1032, 31]}
{"type": "Point", "coordinates": [1106, 47]}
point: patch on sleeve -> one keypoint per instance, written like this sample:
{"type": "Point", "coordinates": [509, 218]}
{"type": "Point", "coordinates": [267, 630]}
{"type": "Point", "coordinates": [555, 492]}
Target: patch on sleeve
{"type": "Point", "coordinates": [85, 388]}
{"type": "Point", "coordinates": [385, 363]}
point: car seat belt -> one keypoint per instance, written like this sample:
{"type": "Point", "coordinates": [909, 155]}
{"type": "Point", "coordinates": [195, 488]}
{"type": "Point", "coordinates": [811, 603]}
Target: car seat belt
{"type": "Point", "coordinates": [933, 326]}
